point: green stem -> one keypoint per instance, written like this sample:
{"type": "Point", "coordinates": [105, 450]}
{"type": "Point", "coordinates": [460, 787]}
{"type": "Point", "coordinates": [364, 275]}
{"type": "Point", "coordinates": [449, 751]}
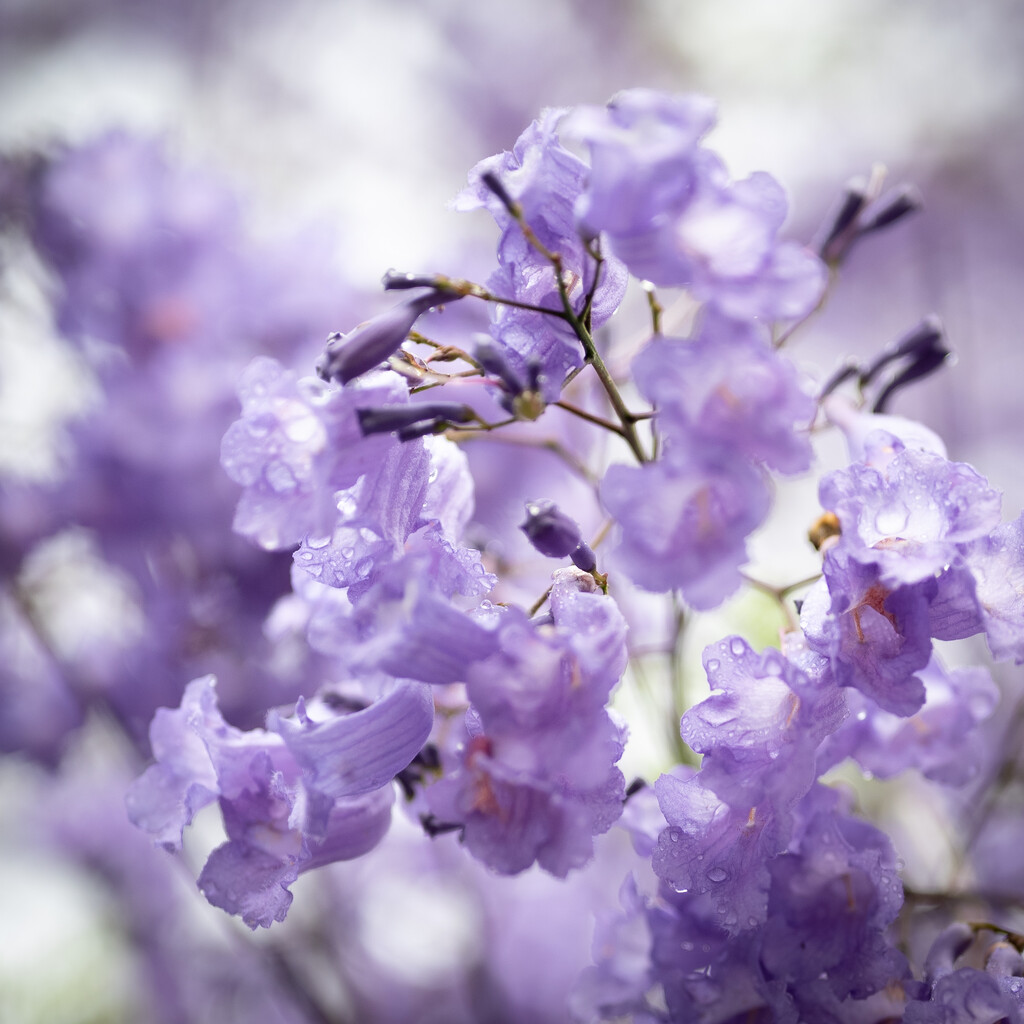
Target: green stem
{"type": "Point", "coordinates": [626, 418]}
{"type": "Point", "coordinates": [655, 306]}
{"type": "Point", "coordinates": [580, 329]}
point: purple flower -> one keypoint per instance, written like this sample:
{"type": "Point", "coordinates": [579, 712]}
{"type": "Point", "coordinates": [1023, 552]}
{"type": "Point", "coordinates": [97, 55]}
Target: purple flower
{"type": "Point", "coordinates": [996, 563]}
{"type": "Point", "coordinates": [685, 520]}
{"type": "Point", "coordinates": [622, 953]}
{"type": "Point", "coordinates": [728, 387]}
{"type": "Point", "coordinates": [969, 996]}
{"type": "Point", "coordinates": [373, 519]}
{"type": "Point", "coordinates": [833, 895]}
{"type": "Point", "coordinates": [710, 847]}
{"type": "Point", "coordinates": [761, 727]}
{"type": "Point", "coordinates": [403, 622]}
{"type": "Point", "coordinates": [674, 217]}
{"type": "Point", "coordinates": [293, 798]}
{"type": "Point", "coordinates": [535, 777]}
{"type": "Point", "coordinates": [296, 444]}
{"type": "Point", "coordinates": [876, 638]}
{"type": "Point", "coordinates": [545, 179]}
{"type": "Point", "coordinates": [644, 158]}
{"type": "Point", "coordinates": [912, 515]}
{"type": "Point", "coordinates": [942, 740]}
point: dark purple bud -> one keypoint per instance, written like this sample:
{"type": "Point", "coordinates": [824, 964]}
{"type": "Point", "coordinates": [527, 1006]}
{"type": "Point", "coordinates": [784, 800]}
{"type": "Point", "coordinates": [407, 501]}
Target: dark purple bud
{"type": "Point", "coordinates": [859, 211]}
{"type": "Point", "coordinates": [926, 364]}
{"type": "Point", "coordinates": [925, 336]}
{"type": "Point", "coordinates": [395, 280]}
{"type": "Point", "coordinates": [834, 234]}
{"type": "Point", "coordinates": [634, 787]}
{"type": "Point", "coordinates": [894, 205]}
{"type": "Point", "coordinates": [921, 351]}
{"type": "Point", "coordinates": [491, 357]}
{"type": "Point", "coordinates": [370, 344]}
{"type": "Point", "coordinates": [549, 530]}
{"type": "Point", "coordinates": [583, 558]}
{"type": "Point", "coordinates": [382, 419]}
{"type": "Point", "coordinates": [534, 374]}
{"type": "Point", "coordinates": [848, 370]}
{"type": "Point", "coordinates": [414, 430]}
{"type": "Point", "coordinates": [494, 183]}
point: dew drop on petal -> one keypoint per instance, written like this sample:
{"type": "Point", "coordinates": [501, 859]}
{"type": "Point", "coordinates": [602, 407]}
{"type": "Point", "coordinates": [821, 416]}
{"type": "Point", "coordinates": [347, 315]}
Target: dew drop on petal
{"type": "Point", "coordinates": [281, 478]}
{"type": "Point", "coordinates": [892, 520]}
{"type": "Point", "coordinates": [717, 874]}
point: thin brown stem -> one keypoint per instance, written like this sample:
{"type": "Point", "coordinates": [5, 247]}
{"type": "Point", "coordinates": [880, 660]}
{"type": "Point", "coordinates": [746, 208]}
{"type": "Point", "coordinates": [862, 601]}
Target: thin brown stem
{"type": "Point", "coordinates": [599, 421]}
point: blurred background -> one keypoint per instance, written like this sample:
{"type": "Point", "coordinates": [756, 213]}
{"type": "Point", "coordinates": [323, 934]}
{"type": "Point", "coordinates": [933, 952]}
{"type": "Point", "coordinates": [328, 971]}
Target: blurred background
{"type": "Point", "coordinates": [347, 127]}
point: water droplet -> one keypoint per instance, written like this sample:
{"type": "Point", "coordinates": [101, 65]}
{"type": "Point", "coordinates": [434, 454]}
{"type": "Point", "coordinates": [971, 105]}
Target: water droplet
{"type": "Point", "coordinates": [306, 556]}
{"type": "Point", "coordinates": [673, 835]}
{"type": "Point", "coordinates": [717, 874]}
{"type": "Point", "coordinates": [892, 520]}
{"type": "Point", "coordinates": [301, 429]}
{"type": "Point", "coordinates": [318, 542]}
{"type": "Point", "coordinates": [737, 646]}
{"type": "Point", "coordinates": [347, 553]}
{"type": "Point", "coordinates": [281, 478]}
{"type": "Point", "coordinates": [688, 946]}
{"type": "Point", "coordinates": [714, 665]}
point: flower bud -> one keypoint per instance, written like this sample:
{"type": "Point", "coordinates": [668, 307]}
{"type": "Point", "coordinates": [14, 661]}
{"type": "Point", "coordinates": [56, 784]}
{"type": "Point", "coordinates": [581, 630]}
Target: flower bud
{"type": "Point", "coordinates": [556, 535]}
{"type": "Point", "coordinates": [383, 419]}
{"type": "Point", "coordinates": [350, 355]}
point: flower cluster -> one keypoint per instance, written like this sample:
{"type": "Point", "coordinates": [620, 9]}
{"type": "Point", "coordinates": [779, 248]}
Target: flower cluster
{"type": "Point", "coordinates": [362, 644]}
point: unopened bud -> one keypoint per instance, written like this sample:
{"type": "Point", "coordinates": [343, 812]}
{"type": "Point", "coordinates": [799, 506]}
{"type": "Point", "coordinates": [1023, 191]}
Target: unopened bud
{"type": "Point", "coordinates": [495, 184]}
{"type": "Point", "coordinates": [550, 530]}
{"type": "Point", "coordinates": [350, 355]}
{"type": "Point", "coordinates": [557, 535]}
{"type": "Point", "coordinates": [396, 280]}
{"type": "Point", "coordinates": [834, 234]}
{"type": "Point", "coordinates": [887, 209]}
{"type": "Point", "coordinates": [405, 419]}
